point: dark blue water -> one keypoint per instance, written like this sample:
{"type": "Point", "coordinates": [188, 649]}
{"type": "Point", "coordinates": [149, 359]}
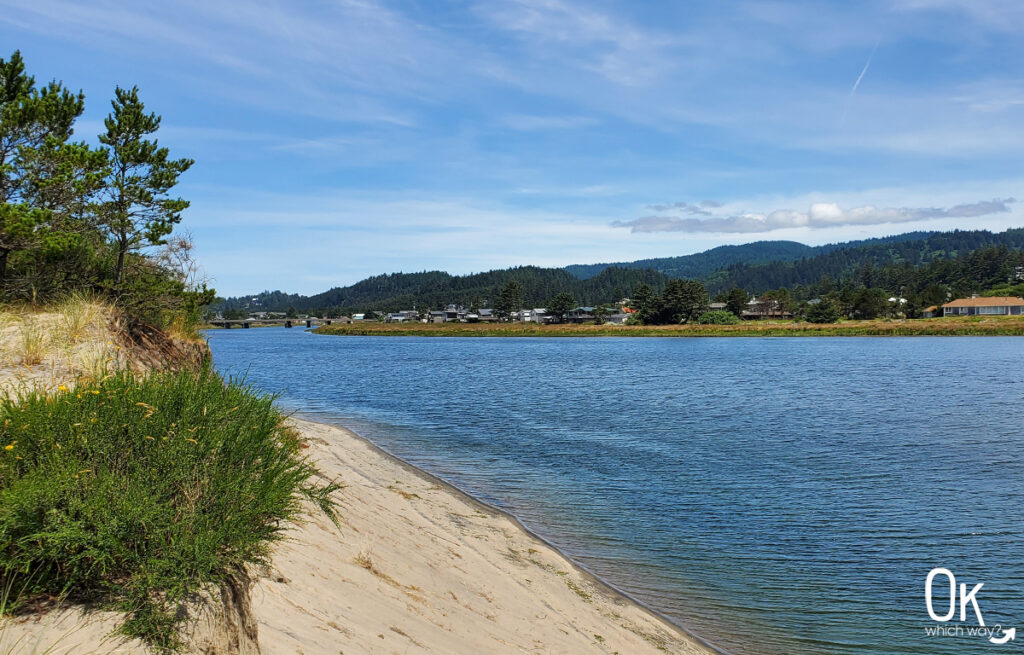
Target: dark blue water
{"type": "Point", "coordinates": [774, 495]}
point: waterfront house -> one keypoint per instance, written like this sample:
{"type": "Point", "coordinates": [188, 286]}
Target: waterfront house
{"type": "Point", "coordinates": [992, 306]}
{"type": "Point", "coordinates": [404, 316]}
{"type": "Point", "coordinates": [929, 312]}
{"type": "Point", "coordinates": [765, 308]}
{"type": "Point", "coordinates": [535, 315]}
{"type": "Point", "coordinates": [454, 313]}
{"type": "Point", "coordinates": [580, 315]}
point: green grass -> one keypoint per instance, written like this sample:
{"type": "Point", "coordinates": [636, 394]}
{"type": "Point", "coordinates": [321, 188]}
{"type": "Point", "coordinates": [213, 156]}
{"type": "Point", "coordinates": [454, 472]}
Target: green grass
{"type": "Point", "coordinates": [954, 326]}
{"type": "Point", "coordinates": [134, 493]}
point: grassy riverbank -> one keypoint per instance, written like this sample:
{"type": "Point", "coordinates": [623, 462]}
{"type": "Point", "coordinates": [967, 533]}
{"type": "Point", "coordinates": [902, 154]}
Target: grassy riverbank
{"type": "Point", "coordinates": [132, 476]}
{"type": "Point", "coordinates": [966, 326]}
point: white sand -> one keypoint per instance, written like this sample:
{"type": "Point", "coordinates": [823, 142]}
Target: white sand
{"type": "Point", "coordinates": [418, 567]}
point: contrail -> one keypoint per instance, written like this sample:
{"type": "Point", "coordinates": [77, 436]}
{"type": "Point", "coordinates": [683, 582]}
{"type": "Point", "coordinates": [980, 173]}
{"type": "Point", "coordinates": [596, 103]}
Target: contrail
{"type": "Point", "coordinates": [860, 77]}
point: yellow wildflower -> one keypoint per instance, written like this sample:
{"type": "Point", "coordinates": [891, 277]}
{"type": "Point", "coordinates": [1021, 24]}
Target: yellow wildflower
{"type": "Point", "coordinates": [10, 446]}
{"type": "Point", "coordinates": [62, 388]}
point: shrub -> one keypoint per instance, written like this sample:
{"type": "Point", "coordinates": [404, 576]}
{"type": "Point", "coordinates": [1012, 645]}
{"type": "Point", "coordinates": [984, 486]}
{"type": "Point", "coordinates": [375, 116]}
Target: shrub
{"type": "Point", "coordinates": [718, 317]}
{"type": "Point", "coordinates": [138, 492]}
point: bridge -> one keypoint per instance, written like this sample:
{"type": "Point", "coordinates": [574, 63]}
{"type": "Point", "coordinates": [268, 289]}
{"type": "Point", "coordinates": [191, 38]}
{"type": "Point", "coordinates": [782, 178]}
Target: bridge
{"type": "Point", "coordinates": [287, 322]}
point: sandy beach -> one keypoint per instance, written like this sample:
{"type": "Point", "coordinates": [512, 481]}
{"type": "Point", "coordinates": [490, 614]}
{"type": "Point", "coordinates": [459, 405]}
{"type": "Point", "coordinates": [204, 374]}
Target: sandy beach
{"type": "Point", "coordinates": [415, 567]}
{"type": "Point", "coordinates": [418, 567]}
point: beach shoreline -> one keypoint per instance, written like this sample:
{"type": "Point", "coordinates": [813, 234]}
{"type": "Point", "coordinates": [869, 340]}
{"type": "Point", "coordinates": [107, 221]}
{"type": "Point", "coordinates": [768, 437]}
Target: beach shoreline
{"type": "Point", "coordinates": [418, 565]}
{"type": "Point", "coordinates": [469, 498]}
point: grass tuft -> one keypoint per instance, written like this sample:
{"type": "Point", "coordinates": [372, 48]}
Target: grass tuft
{"type": "Point", "coordinates": [135, 493]}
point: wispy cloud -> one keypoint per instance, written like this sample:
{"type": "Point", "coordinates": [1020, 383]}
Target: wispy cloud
{"type": "Point", "coordinates": [530, 123]}
{"type": "Point", "coordinates": [700, 209]}
{"type": "Point", "coordinates": [820, 215]}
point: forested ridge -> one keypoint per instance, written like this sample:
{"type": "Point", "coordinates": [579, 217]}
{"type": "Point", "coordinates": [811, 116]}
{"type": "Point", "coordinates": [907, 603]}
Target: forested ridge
{"type": "Point", "coordinates": [941, 263]}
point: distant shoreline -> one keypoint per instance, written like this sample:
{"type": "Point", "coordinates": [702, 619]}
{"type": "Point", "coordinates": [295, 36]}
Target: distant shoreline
{"type": "Point", "coordinates": [954, 326]}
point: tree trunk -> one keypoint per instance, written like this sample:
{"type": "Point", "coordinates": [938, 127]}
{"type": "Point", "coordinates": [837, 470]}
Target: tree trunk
{"type": "Point", "coordinates": [121, 247]}
{"type": "Point", "coordinates": [3, 267]}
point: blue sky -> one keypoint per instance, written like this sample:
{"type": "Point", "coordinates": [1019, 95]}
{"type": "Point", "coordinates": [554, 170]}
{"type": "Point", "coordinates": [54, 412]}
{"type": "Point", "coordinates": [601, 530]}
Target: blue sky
{"type": "Point", "coordinates": [340, 139]}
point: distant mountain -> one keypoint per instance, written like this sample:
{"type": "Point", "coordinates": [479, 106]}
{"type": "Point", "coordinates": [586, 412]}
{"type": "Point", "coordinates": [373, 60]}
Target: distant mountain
{"type": "Point", "coordinates": [702, 264]}
{"type": "Point", "coordinates": [887, 262]}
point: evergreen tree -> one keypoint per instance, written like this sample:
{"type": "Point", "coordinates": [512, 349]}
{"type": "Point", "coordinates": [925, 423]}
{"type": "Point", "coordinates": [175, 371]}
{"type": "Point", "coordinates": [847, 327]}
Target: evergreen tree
{"type": "Point", "coordinates": [683, 301]}
{"type": "Point", "coordinates": [138, 211]}
{"type": "Point", "coordinates": [40, 172]}
{"type": "Point", "coordinates": [823, 311]}
{"type": "Point", "coordinates": [645, 303]}
{"type": "Point", "coordinates": [561, 305]}
{"type": "Point", "coordinates": [510, 300]}
{"type": "Point", "coordinates": [736, 301]}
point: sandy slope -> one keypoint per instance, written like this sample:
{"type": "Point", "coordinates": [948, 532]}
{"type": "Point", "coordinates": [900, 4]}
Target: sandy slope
{"type": "Point", "coordinates": [420, 568]}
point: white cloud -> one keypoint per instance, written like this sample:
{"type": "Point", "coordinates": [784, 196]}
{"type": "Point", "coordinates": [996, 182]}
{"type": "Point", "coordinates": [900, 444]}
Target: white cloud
{"type": "Point", "coordinates": [819, 215]}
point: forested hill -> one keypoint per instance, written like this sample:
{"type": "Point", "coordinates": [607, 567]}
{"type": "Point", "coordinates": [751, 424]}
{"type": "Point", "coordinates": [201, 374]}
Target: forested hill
{"type": "Point", "coordinates": [702, 264]}
{"type": "Point", "coordinates": [747, 267]}
{"type": "Point", "coordinates": [843, 262]}
{"type": "Point", "coordinates": [435, 289]}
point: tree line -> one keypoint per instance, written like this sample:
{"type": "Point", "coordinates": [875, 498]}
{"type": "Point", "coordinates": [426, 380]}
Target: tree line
{"type": "Point", "coordinates": [95, 218]}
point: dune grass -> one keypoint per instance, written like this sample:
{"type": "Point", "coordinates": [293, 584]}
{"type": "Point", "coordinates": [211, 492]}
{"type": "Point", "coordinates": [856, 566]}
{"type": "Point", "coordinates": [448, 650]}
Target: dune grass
{"type": "Point", "coordinates": [965, 326]}
{"type": "Point", "coordinates": [134, 493]}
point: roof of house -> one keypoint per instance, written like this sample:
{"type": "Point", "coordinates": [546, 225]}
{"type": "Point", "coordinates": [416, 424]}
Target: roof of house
{"type": "Point", "coordinates": [931, 309]}
{"type": "Point", "coordinates": [992, 301]}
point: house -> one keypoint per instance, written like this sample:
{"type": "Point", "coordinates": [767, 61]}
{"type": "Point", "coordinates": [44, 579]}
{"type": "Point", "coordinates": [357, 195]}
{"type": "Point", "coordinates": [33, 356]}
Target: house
{"type": "Point", "coordinates": [454, 313]}
{"type": "Point", "coordinates": [404, 316]}
{"type": "Point", "coordinates": [580, 314]}
{"type": "Point", "coordinates": [717, 307]}
{"type": "Point", "coordinates": [536, 315]}
{"type": "Point", "coordinates": [358, 317]}
{"type": "Point", "coordinates": [929, 312]}
{"type": "Point", "coordinates": [993, 306]}
{"type": "Point", "coordinates": [765, 308]}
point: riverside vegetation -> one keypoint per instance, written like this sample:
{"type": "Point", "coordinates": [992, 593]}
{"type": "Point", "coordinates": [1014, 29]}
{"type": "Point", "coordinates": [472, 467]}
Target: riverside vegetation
{"type": "Point", "coordinates": [132, 477]}
{"type": "Point", "coordinates": [953, 326]}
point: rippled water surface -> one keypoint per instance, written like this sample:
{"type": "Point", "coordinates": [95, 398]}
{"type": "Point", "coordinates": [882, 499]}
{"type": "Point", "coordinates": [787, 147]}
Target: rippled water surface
{"type": "Point", "coordinates": [774, 495]}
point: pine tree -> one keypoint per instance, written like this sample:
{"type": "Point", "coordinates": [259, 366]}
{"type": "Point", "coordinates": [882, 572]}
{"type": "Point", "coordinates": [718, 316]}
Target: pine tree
{"type": "Point", "coordinates": [138, 211]}
{"type": "Point", "coordinates": [510, 300]}
{"type": "Point", "coordinates": [40, 172]}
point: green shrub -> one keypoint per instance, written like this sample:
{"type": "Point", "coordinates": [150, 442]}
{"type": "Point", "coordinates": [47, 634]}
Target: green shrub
{"type": "Point", "coordinates": [718, 317]}
{"type": "Point", "coordinates": [138, 492]}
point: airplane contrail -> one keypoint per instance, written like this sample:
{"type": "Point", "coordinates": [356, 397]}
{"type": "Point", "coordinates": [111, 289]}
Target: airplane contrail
{"type": "Point", "coordinates": [860, 77]}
